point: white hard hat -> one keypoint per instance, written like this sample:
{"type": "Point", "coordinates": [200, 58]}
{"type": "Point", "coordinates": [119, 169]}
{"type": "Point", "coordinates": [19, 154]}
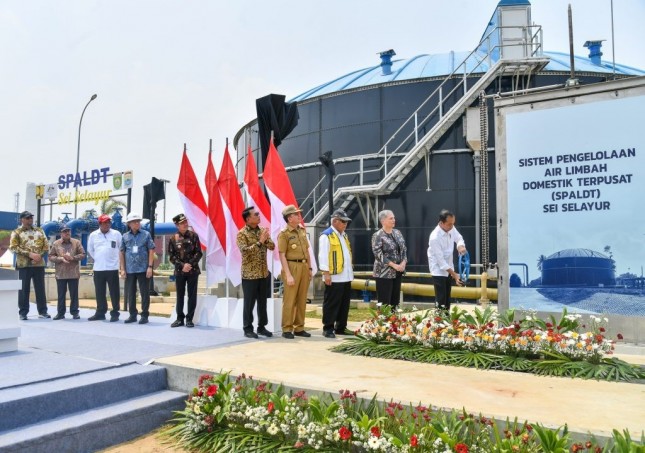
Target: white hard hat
{"type": "Point", "coordinates": [132, 216]}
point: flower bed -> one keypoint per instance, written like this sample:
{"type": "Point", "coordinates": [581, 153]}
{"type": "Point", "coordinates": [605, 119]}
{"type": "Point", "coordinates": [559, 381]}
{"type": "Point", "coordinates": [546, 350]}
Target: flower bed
{"type": "Point", "coordinates": [487, 340]}
{"type": "Point", "coordinates": [240, 415]}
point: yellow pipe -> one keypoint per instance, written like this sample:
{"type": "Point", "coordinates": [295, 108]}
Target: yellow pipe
{"type": "Point", "coordinates": [414, 275]}
{"type": "Point", "coordinates": [418, 289]}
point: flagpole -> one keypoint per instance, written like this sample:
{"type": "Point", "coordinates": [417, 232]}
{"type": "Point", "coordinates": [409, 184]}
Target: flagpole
{"type": "Point", "coordinates": [270, 228]}
{"type": "Point", "coordinates": [228, 283]}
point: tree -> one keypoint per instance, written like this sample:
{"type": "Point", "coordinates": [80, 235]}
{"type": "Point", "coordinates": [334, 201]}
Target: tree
{"type": "Point", "coordinates": [110, 205]}
{"type": "Point", "coordinates": [515, 281]}
{"type": "Point", "coordinates": [541, 260]}
{"type": "Point", "coordinates": [607, 250]}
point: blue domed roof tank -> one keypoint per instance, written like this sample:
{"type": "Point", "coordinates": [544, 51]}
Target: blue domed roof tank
{"type": "Point", "coordinates": [578, 267]}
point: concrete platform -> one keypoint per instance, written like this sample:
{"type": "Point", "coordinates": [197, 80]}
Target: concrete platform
{"type": "Point", "coordinates": [51, 349]}
{"type": "Point", "coordinates": [586, 406]}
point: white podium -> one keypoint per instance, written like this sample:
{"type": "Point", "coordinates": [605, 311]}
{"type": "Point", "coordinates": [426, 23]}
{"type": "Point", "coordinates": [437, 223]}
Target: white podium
{"type": "Point", "coordinates": [228, 312]}
{"type": "Point", "coordinates": [9, 328]}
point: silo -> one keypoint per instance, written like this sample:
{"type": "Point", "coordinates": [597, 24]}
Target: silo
{"type": "Point", "coordinates": [367, 119]}
{"type": "Point", "coordinates": [578, 267]}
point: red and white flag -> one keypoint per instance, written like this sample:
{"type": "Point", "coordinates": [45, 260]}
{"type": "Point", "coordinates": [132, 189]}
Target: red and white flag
{"type": "Point", "coordinates": [192, 199]}
{"type": "Point", "coordinates": [216, 236]}
{"type": "Point", "coordinates": [232, 205]}
{"type": "Point", "coordinates": [280, 194]}
{"type": "Point", "coordinates": [255, 197]}
{"type": "Point", "coordinates": [254, 194]}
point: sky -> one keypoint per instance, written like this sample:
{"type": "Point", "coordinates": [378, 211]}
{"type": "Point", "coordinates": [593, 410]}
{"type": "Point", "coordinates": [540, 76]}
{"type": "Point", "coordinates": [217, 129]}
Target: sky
{"type": "Point", "coordinates": [169, 72]}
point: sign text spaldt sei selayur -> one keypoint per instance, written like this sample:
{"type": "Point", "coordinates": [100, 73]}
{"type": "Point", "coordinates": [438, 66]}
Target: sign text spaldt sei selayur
{"type": "Point", "coordinates": [84, 179]}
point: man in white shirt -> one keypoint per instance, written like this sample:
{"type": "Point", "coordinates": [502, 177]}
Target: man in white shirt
{"type": "Point", "coordinates": [335, 260]}
{"type": "Point", "coordinates": [103, 246]}
{"type": "Point", "coordinates": [441, 246]}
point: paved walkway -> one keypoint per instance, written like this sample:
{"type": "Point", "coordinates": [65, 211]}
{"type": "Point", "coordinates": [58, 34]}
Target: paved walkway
{"type": "Point", "coordinates": [70, 346]}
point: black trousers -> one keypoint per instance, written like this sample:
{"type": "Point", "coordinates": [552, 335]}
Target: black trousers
{"type": "Point", "coordinates": [62, 285]}
{"type": "Point", "coordinates": [336, 306]}
{"type": "Point", "coordinates": [388, 290]}
{"type": "Point", "coordinates": [183, 282]}
{"type": "Point", "coordinates": [27, 274]}
{"type": "Point", "coordinates": [254, 289]}
{"type": "Point", "coordinates": [111, 279]}
{"type": "Point", "coordinates": [442, 287]}
{"type": "Point", "coordinates": [131, 281]}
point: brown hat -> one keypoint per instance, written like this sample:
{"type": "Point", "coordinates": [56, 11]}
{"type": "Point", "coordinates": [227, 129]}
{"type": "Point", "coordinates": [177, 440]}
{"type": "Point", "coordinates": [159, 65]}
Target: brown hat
{"type": "Point", "coordinates": [179, 218]}
{"type": "Point", "coordinates": [64, 227]}
{"type": "Point", "coordinates": [25, 214]}
{"type": "Point", "coordinates": [290, 209]}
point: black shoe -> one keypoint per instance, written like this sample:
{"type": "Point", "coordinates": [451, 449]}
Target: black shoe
{"type": "Point", "coordinates": [59, 316]}
{"type": "Point", "coordinates": [76, 316]}
{"type": "Point", "coordinates": [23, 317]}
{"type": "Point", "coordinates": [114, 319]}
{"type": "Point", "coordinates": [178, 323]}
{"type": "Point", "coordinates": [329, 334]}
{"type": "Point", "coordinates": [190, 324]}
{"type": "Point", "coordinates": [288, 335]}
{"type": "Point", "coordinates": [44, 315]}
{"type": "Point", "coordinates": [251, 335]}
{"type": "Point", "coordinates": [343, 332]}
{"type": "Point", "coordinates": [302, 333]}
{"type": "Point", "coordinates": [130, 319]}
{"type": "Point", "coordinates": [96, 318]}
{"type": "Point", "coordinates": [265, 332]}
{"type": "Point", "coordinates": [143, 320]}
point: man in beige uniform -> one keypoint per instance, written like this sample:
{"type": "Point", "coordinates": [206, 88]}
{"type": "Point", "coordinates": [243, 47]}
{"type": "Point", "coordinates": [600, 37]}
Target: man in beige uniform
{"type": "Point", "coordinates": [296, 273]}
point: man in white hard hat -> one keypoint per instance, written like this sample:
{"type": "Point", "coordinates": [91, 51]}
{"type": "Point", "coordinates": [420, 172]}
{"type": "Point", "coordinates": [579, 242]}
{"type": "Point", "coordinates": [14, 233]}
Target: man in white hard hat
{"type": "Point", "coordinates": [137, 257]}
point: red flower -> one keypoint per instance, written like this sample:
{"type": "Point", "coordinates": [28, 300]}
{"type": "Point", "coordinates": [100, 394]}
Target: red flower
{"type": "Point", "coordinates": [212, 390]}
{"type": "Point", "coordinates": [376, 432]}
{"type": "Point", "coordinates": [298, 445]}
{"type": "Point", "coordinates": [602, 329]}
{"type": "Point", "coordinates": [270, 406]}
{"type": "Point", "coordinates": [204, 377]}
{"type": "Point", "coordinates": [619, 336]}
{"type": "Point", "coordinates": [414, 440]}
{"type": "Point", "coordinates": [461, 448]}
{"type": "Point", "coordinates": [345, 433]}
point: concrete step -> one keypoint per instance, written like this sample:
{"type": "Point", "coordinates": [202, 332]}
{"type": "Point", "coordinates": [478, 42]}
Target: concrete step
{"type": "Point", "coordinates": [95, 429]}
{"type": "Point", "coordinates": [40, 401]}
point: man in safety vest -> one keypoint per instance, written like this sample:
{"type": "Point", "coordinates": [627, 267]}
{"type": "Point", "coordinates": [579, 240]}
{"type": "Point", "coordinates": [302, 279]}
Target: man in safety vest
{"type": "Point", "coordinates": [335, 260]}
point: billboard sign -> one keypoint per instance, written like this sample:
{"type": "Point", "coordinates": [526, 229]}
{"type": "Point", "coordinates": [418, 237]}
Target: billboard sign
{"type": "Point", "coordinates": [570, 181]}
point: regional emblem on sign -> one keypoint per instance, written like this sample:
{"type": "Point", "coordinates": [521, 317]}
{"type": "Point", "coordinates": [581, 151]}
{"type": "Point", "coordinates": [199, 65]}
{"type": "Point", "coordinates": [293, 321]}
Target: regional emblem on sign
{"type": "Point", "coordinates": [127, 180]}
{"type": "Point", "coordinates": [117, 180]}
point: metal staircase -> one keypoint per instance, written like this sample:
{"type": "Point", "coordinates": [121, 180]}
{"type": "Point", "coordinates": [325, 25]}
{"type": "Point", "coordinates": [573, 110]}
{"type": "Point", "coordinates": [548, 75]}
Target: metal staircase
{"type": "Point", "coordinates": [414, 139]}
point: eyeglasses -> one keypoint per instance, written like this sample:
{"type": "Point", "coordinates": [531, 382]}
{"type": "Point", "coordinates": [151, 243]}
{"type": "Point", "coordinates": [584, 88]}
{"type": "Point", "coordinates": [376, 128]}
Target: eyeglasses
{"type": "Point", "coordinates": [256, 214]}
{"type": "Point", "coordinates": [342, 221]}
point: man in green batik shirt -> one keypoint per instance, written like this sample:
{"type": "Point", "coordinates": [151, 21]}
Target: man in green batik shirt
{"type": "Point", "coordinates": [29, 244]}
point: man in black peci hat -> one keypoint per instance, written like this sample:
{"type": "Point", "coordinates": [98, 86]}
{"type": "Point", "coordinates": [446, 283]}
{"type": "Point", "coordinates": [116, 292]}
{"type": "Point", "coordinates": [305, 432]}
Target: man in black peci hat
{"type": "Point", "coordinates": [185, 252]}
{"type": "Point", "coordinates": [29, 244]}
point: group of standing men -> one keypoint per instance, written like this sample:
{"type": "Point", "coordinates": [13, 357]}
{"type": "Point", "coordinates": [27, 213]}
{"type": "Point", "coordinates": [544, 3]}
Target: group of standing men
{"type": "Point", "coordinates": [131, 256]}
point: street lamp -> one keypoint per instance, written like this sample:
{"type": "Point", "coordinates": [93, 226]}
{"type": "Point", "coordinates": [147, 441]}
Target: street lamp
{"type": "Point", "coordinates": [78, 152]}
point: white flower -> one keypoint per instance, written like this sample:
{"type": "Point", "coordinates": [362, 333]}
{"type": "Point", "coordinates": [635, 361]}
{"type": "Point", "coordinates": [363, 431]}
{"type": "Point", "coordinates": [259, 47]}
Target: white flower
{"type": "Point", "coordinates": [373, 443]}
